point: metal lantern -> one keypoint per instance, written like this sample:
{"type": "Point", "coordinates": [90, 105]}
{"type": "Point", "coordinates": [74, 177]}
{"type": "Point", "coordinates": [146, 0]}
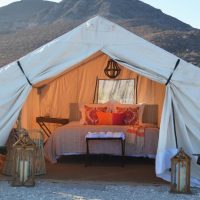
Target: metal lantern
{"type": "Point", "coordinates": [24, 161]}
{"type": "Point", "coordinates": [8, 164]}
{"type": "Point", "coordinates": [180, 173]}
{"type": "Point", "coordinates": [13, 138]}
{"type": "Point", "coordinates": [112, 69]}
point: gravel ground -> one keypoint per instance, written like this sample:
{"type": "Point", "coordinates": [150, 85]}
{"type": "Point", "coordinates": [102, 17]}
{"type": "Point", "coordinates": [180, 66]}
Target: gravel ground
{"type": "Point", "coordinates": [46, 190]}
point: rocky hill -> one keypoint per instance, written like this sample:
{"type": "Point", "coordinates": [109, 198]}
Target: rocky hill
{"type": "Point", "coordinates": [19, 15]}
{"type": "Point", "coordinates": [137, 12]}
{"type": "Point", "coordinates": [28, 24]}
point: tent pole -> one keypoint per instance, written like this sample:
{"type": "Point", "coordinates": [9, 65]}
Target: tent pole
{"type": "Point", "coordinates": [136, 90]}
{"type": "Point", "coordinates": [174, 123]}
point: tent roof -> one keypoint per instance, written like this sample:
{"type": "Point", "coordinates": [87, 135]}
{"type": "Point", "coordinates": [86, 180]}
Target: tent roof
{"type": "Point", "coordinates": [98, 34]}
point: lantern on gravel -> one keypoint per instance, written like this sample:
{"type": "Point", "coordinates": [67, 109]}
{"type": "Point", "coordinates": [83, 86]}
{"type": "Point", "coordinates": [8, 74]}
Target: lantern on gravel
{"type": "Point", "coordinates": [24, 161]}
{"type": "Point", "coordinates": [180, 173]}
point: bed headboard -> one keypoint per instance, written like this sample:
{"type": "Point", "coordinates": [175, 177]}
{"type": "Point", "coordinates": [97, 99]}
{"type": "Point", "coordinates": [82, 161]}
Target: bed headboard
{"type": "Point", "coordinates": [150, 114]}
{"type": "Point", "coordinates": [74, 112]}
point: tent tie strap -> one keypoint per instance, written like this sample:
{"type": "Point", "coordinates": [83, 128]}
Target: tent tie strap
{"type": "Point", "coordinates": [20, 66]}
{"type": "Point", "coordinates": [168, 80]}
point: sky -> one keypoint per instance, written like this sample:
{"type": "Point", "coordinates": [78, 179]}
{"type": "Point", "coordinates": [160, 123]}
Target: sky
{"type": "Point", "coordinates": [187, 11]}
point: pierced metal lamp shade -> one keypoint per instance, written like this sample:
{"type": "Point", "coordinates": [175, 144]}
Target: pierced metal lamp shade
{"type": "Point", "coordinates": [112, 69]}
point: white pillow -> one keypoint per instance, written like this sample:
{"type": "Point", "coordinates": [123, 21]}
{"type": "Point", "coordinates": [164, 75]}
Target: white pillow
{"type": "Point", "coordinates": [111, 105]}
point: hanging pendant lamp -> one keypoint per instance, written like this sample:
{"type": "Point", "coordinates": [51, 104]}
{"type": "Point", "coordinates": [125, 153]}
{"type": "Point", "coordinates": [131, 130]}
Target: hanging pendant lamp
{"type": "Point", "coordinates": [112, 69]}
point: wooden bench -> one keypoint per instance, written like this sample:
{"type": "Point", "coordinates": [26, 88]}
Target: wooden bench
{"type": "Point", "coordinates": [105, 136]}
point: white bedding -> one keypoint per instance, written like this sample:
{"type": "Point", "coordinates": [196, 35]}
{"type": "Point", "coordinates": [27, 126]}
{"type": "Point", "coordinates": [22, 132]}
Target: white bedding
{"type": "Point", "coordinates": [70, 139]}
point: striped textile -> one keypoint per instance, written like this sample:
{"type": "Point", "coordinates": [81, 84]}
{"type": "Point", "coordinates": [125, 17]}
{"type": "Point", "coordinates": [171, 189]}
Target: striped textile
{"type": "Point", "coordinates": [135, 136]}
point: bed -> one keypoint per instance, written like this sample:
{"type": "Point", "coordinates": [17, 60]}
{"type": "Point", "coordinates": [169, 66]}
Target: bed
{"type": "Point", "coordinates": [70, 138]}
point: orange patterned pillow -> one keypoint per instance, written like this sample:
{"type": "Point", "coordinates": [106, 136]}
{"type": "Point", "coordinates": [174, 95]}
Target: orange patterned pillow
{"type": "Point", "coordinates": [131, 115]}
{"type": "Point", "coordinates": [91, 114]}
{"type": "Point", "coordinates": [105, 118]}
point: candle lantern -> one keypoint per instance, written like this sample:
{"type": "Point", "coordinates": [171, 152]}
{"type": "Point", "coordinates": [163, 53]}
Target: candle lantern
{"type": "Point", "coordinates": [180, 173]}
{"type": "Point", "coordinates": [24, 161]}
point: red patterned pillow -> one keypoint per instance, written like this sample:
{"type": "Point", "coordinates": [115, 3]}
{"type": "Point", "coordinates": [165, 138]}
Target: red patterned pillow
{"type": "Point", "coordinates": [121, 109]}
{"type": "Point", "coordinates": [131, 115]}
{"type": "Point", "coordinates": [91, 117]}
{"type": "Point", "coordinates": [118, 118]}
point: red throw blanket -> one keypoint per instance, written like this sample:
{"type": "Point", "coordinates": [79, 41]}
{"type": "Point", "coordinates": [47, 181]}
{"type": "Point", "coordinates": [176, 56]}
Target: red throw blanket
{"type": "Point", "coordinates": [135, 136]}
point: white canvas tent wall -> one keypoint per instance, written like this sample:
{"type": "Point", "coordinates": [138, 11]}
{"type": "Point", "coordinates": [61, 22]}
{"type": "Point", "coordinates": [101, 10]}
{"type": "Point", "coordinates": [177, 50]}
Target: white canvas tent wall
{"type": "Point", "coordinates": [138, 55]}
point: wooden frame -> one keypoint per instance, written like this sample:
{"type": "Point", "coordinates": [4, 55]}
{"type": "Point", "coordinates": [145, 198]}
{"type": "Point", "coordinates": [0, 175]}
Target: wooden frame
{"type": "Point", "coordinates": [96, 92]}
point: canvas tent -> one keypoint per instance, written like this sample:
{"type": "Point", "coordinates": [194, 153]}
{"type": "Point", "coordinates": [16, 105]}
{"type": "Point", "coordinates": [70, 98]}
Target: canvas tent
{"type": "Point", "coordinates": [100, 36]}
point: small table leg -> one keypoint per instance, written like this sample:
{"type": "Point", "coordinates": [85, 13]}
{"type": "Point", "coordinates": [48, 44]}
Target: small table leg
{"type": "Point", "coordinates": [123, 151]}
{"type": "Point", "coordinates": [44, 128]}
{"type": "Point", "coordinates": [87, 153]}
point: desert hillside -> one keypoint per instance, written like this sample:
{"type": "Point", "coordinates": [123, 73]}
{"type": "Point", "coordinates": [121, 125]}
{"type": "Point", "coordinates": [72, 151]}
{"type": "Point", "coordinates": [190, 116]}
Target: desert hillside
{"type": "Point", "coordinates": [28, 24]}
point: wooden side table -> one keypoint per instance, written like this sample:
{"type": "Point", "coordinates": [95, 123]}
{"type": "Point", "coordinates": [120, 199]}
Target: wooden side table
{"type": "Point", "coordinates": [42, 120]}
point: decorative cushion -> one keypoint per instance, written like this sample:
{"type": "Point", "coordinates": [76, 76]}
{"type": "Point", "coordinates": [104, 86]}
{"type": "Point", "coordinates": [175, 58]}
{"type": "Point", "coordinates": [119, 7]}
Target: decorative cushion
{"type": "Point", "coordinates": [124, 107]}
{"type": "Point", "coordinates": [104, 118]}
{"type": "Point", "coordinates": [148, 113]}
{"type": "Point", "coordinates": [118, 118]}
{"type": "Point", "coordinates": [131, 115]}
{"type": "Point", "coordinates": [91, 114]}
{"type": "Point", "coordinates": [83, 110]}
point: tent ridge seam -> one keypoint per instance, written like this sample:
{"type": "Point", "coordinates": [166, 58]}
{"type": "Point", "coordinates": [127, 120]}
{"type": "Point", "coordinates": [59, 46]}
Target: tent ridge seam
{"type": "Point", "coordinates": [20, 66]}
{"type": "Point", "coordinates": [168, 80]}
